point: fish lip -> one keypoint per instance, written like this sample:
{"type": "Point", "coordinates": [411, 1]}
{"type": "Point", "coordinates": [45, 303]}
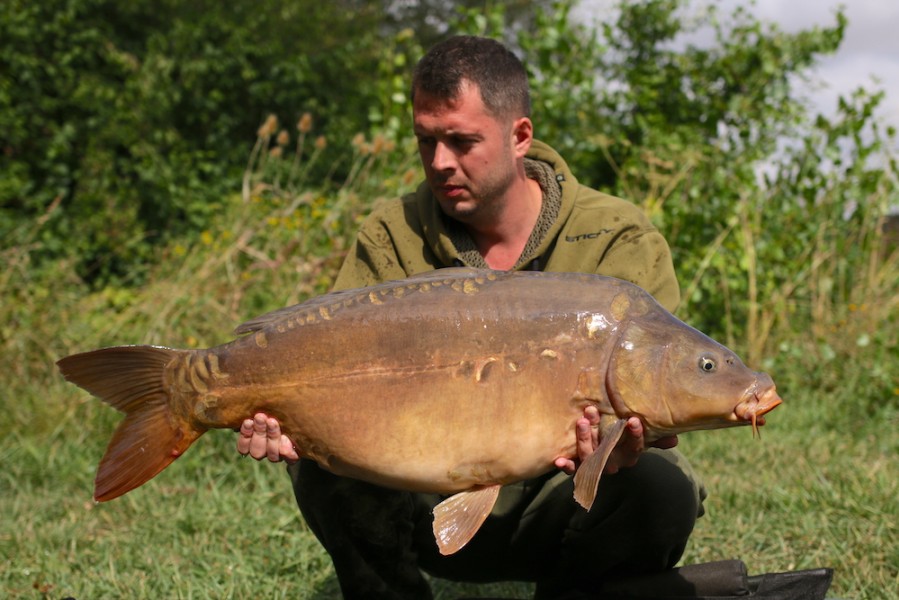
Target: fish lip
{"type": "Point", "coordinates": [768, 401]}
{"type": "Point", "coordinates": [755, 404]}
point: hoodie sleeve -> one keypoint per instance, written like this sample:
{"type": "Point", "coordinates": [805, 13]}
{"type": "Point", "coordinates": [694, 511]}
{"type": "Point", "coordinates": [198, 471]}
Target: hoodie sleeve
{"type": "Point", "coordinates": [609, 236]}
{"type": "Point", "coordinates": [642, 256]}
{"type": "Point", "coordinates": [393, 243]}
{"type": "Point", "coordinates": [372, 259]}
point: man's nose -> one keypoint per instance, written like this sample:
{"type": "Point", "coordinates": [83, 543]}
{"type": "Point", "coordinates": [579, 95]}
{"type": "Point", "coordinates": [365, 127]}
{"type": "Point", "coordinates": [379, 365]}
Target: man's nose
{"type": "Point", "coordinates": [443, 159]}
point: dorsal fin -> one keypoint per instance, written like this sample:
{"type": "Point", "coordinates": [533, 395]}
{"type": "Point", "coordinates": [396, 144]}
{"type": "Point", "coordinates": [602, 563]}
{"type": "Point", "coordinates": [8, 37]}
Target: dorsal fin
{"type": "Point", "coordinates": [262, 321]}
{"type": "Point", "coordinates": [334, 299]}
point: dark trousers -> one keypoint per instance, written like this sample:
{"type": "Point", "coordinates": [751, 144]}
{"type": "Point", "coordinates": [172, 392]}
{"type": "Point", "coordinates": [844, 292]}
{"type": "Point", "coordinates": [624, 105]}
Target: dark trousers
{"type": "Point", "coordinates": [380, 539]}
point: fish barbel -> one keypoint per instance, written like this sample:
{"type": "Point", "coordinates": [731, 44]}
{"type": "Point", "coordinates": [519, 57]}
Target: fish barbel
{"type": "Point", "coordinates": [498, 365]}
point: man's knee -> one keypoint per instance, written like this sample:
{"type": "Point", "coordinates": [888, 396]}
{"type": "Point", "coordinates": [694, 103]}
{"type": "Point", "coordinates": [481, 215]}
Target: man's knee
{"type": "Point", "coordinates": [663, 490]}
{"type": "Point", "coordinates": [649, 510]}
{"type": "Point", "coordinates": [367, 530]}
{"type": "Point", "coordinates": [329, 502]}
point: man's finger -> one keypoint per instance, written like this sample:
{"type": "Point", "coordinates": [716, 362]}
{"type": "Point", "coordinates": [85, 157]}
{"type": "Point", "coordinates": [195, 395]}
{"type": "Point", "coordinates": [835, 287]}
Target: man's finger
{"type": "Point", "coordinates": [246, 434]}
{"type": "Point", "coordinates": [591, 413]}
{"type": "Point", "coordinates": [273, 441]}
{"type": "Point", "coordinates": [566, 465]}
{"type": "Point", "coordinates": [259, 440]}
{"type": "Point", "coordinates": [288, 452]}
{"type": "Point", "coordinates": [585, 437]}
{"type": "Point", "coordinates": [635, 427]}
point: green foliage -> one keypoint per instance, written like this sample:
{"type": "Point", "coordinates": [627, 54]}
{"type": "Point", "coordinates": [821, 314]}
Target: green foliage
{"type": "Point", "coordinates": [135, 116]}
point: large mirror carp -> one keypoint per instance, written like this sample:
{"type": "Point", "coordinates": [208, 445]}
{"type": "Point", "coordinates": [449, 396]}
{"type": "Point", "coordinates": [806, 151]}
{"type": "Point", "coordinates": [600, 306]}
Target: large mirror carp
{"type": "Point", "coordinates": [498, 366]}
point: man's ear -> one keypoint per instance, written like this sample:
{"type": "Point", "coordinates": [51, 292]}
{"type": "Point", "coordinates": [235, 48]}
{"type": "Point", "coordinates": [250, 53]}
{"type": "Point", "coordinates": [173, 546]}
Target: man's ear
{"type": "Point", "coordinates": [522, 136]}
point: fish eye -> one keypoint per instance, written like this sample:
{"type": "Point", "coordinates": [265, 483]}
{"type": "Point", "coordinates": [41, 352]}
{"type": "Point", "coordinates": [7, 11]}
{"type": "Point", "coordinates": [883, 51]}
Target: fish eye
{"type": "Point", "coordinates": [707, 364]}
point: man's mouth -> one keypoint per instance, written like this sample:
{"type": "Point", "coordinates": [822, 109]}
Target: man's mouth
{"type": "Point", "coordinates": [451, 190]}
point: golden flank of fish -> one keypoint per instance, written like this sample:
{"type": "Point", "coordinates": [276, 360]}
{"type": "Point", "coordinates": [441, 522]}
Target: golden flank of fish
{"type": "Point", "coordinates": [497, 365]}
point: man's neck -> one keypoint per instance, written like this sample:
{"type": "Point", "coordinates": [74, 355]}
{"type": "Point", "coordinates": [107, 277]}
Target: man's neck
{"type": "Point", "coordinates": [502, 242]}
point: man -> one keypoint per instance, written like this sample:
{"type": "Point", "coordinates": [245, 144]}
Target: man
{"type": "Point", "coordinates": [496, 198]}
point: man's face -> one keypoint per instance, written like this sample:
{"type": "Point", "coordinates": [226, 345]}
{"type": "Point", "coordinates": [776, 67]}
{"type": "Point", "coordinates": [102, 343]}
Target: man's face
{"type": "Point", "coordinates": [469, 155]}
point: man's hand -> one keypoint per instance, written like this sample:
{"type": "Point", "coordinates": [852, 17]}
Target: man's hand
{"type": "Point", "coordinates": [261, 437]}
{"type": "Point", "coordinates": [625, 453]}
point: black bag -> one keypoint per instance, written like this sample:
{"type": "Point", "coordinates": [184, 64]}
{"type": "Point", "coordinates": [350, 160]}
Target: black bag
{"type": "Point", "coordinates": [721, 580]}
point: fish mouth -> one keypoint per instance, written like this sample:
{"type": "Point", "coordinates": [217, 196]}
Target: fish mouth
{"type": "Point", "coordinates": [752, 409]}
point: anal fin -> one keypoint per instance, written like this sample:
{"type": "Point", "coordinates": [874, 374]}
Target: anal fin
{"type": "Point", "coordinates": [586, 479]}
{"type": "Point", "coordinates": [459, 517]}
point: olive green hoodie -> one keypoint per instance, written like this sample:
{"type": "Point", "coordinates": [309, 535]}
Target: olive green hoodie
{"type": "Point", "coordinates": [593, 233]}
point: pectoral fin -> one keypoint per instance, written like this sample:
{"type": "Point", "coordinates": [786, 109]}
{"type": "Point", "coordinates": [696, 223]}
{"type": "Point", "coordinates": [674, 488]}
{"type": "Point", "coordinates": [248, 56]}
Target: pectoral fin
{"type": "Point", "coordinates": [459, 517]}
{"type": "Point", "coordinates": [586, 480]}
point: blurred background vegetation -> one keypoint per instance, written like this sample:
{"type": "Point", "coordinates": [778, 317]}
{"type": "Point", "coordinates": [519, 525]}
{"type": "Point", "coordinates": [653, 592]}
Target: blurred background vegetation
{"type": "Point", "coordinates": [170, 169]}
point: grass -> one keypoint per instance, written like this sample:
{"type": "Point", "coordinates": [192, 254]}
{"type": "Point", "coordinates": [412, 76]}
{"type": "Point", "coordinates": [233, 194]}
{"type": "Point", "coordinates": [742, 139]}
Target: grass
{"type": "Point", "coordinates": [820, 489]}
{"type": "Point", "coordinates": [212, 530]}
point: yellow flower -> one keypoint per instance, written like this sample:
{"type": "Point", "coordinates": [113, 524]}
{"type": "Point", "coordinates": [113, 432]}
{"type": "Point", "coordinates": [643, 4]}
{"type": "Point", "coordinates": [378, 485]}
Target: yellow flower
{"type": "Point", "coordinates": [269, 127]}
{"type": "Point", "coordinates": [378, 144]}
{"type": "Point", "coordinates": [305, 123]}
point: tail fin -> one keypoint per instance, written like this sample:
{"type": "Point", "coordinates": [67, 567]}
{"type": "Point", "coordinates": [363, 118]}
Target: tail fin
{"type": "Point", "coordinates": [130, 378]}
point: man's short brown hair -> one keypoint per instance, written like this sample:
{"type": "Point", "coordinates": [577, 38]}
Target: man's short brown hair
{"type": "Point", "coordinates": [488, 64]}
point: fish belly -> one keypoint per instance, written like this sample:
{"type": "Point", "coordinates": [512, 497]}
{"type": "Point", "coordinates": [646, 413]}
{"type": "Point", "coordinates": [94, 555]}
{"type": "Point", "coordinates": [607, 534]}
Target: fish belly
{"type": "Point", "coordinates": [431, 392]}
{"type": "Point", "coordinates": [440, 431]}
